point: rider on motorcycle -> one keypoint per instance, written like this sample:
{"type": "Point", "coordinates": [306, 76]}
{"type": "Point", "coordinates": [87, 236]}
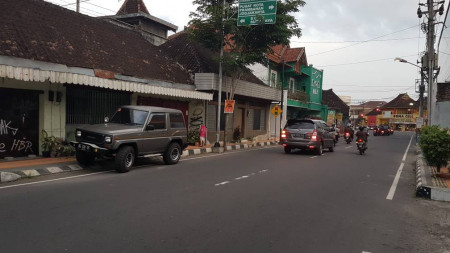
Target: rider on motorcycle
{"type": "Point", "coordinates": [349, 129]}
{"type": "Point", "coordinates": [361, 134]}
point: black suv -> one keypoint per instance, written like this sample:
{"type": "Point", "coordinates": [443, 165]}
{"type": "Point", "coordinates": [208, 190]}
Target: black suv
{"type": "Point", "coordinates": [307, 134]}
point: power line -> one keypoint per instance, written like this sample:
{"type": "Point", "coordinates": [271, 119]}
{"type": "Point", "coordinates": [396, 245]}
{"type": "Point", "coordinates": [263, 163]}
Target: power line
{"type": "Point", "coordinates": [364, 41]}
{"type": "Point", "coordinates": [352, 41]}
{"type": "Point", "coordinates": [100, 7]}
{"type": "Point", "coordinates": [351, 63]}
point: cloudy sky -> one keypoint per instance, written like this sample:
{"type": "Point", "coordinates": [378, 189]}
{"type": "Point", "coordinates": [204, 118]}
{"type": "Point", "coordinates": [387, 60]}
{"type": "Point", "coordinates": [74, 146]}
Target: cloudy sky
{"type": "Point", "coordinates": [353, 41]}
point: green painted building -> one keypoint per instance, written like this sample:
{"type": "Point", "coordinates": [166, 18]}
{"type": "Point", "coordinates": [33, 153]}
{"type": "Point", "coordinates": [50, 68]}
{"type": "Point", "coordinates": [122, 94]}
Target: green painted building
{"type": "Point", "coordinates": [289, 69]}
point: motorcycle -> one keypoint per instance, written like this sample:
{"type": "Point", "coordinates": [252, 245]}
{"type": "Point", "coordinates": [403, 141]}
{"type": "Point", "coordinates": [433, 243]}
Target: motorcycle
{"type": "Point", "coordinates": [361, 144]}
{"type": "Point", "coordinates": [348, 138]}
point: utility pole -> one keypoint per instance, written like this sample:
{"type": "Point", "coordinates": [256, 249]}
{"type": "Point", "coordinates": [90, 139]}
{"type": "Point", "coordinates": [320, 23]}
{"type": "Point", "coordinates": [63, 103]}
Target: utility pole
{"type": "Point", "coordinates": [78, 6]}
{"type": "Point", "coordinates": [282, 99]}
{"type": "Point", "coordinates": [219, 95]}
{"type": "Point", "coordinates": [430, 56]}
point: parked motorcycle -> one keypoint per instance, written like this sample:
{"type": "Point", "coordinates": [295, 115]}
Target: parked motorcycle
{"type": "Point", "coordinates": [348, 138]}
{"type": "Point", "coordinates": [361, 144]}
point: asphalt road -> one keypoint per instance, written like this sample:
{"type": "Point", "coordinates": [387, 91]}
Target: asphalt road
{"type": "Point", "coordinates": [258, 200]}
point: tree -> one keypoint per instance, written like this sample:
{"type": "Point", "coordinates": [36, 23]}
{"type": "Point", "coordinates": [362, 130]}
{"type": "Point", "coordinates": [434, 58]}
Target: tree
{"type": "Point", "coordinates": [215, 26]}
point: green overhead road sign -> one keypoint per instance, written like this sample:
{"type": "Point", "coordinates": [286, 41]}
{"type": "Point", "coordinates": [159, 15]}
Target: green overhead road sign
{"type": "Point", "coordinates": [250, 12]}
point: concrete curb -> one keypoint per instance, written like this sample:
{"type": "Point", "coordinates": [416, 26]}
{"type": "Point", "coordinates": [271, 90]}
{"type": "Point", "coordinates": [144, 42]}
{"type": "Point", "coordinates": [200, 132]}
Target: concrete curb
{"type": "Point", "coordinates": [422, 188]}
{"type": "Point", "coordinates": [199, 151]}
{"type": "Point", "coordinates": [12, 176]}
{"type": "Point", "coordinates": [19, 174]}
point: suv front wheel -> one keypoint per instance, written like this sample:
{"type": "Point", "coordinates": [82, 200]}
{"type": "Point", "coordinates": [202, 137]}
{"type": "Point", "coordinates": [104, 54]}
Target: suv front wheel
{"type": "Point", "coordinates": [124, 159]}
{"type": "Point", "coordinates": [172, 154]}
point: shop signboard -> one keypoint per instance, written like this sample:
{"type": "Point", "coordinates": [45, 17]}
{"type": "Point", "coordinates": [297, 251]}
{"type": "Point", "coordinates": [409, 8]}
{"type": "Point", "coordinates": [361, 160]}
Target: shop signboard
{"type": "Point", "coordinates": [229, 106]}
{"type": "Point", "coordinates": [402, 118]}
{"type": "Point", "coordinates": [331, 117]}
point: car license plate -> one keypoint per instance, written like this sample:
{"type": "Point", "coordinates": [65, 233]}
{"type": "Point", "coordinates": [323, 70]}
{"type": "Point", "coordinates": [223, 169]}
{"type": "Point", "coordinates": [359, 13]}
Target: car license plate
{"type": "Point", "coordinates": [84, 147]}
{"type": "Point", "coordinates": [298, 135]}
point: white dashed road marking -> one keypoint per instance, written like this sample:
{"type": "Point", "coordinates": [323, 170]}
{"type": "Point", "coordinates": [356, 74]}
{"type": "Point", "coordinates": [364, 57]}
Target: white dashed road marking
{"type": "Point", "coordinates": [348, 147]}
{"type": "Point", "coordinates": [242, 177]}
{"type": "Point", "coordinates": [391, 193]}
{"type": "Point", "coordinates": [313, 156]}
{"type": "Point", "coordinates": [223, 183]}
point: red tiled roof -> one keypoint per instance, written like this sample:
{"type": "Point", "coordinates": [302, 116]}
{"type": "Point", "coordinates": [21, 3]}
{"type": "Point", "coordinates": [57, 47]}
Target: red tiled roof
{"type": "Point", "coordinates": [288, 54]}
{"type": "Point", "coordinates": [293, 54]}
{"type": "Point", "coordinates": [38, 30]}
{"type": "Point", "coordinates": [196, 58]}
{"type": "Point", "coordinates": [132, 6]}
{"type": "Point", "coordinates": [401, 101]}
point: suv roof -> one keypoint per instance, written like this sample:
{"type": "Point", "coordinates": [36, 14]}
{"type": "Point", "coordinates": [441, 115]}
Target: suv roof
{"type": "Point", "coordinates": [150, 108]}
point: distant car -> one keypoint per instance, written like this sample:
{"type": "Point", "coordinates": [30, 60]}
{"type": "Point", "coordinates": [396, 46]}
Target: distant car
{"type": "Point", "coordinates": [381, 130]}
{"type": "Point", "coordinates": [307, 134]}
{"type": "Point", "coordinates": [391, 131]}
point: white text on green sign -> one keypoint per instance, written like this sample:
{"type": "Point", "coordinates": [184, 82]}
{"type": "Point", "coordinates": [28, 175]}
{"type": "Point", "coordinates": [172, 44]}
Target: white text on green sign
{"type": "Point", "coordinates": [251, 12]}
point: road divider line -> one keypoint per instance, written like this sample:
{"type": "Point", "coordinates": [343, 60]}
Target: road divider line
{"type": "Point", "coordinates": [348, 147]}
{"type": "Point", "coordinates": [406, 151]}
{"type": "Point", "coordinates": [313, 156]}
{"type": "Point", "coordinates": [391, 193]}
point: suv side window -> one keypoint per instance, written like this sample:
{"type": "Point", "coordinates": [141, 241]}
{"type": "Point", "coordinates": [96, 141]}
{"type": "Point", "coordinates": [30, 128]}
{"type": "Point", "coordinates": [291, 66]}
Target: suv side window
{"type": "Point", "coordinates": [176, 120]}
{"type": "Point", "coordinates": [158, 120]}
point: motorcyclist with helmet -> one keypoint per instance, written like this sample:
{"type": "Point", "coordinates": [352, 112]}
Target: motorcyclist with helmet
{"type": "Point", "coordinates": [361, 134]}
{"type": "Point", "coordinates": [349, 129]}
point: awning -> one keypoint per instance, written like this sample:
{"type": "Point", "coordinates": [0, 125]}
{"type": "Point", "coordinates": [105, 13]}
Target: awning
{"type": "Point", "coordinates": [37, 75]}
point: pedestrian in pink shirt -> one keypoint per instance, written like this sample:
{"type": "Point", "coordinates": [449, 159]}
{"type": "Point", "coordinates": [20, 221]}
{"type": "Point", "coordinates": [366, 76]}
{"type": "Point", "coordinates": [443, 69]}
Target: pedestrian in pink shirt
{"type": "Point", "coordinates": [202, 135]}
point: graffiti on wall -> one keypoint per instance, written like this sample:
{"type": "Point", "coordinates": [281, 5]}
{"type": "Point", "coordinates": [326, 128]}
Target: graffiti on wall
{"type": "Point", "coordinates": [17, 145]}
{"type": "Point", "coordinates": [196, 115]}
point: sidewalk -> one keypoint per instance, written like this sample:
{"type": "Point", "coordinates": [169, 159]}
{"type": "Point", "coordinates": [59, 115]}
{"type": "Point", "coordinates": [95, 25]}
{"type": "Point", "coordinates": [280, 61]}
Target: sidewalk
{"type": "Point", "coordinates": [429, 184]}
{"type": "Point", "coordinates": [33, 167]}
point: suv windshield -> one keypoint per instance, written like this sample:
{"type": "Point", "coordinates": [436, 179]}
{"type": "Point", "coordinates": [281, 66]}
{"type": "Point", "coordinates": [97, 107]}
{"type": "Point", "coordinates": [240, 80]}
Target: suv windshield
{"type": "Point", "coordinates": [129, 116]}
{"type": "Point", "coordinates": [299, 125]}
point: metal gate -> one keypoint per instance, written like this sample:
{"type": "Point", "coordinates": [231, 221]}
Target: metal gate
{"type": "Point", "coordinates": [19, 122]}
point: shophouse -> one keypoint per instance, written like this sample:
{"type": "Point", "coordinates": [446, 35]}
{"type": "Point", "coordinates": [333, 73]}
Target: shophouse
{"type": "Point", "coordinates": [401, 113]}
{"type": "Point", "coordinates": [253, 99]}
{"type": "Point", "coordinates": [60, 69]}
{"type": "Point", "coordinates": [337, 110]}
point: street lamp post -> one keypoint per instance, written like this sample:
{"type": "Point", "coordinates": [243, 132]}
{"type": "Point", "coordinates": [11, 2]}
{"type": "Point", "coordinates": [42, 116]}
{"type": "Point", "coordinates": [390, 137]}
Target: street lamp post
{"type": "Point", "coordinates": [421, 86]}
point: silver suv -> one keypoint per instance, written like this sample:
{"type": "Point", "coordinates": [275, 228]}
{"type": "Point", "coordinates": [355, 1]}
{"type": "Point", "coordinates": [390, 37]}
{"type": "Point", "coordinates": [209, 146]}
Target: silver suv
{"type": "Point", "coordinates": [133, 131]}
{"type": "Point", "coordinates": [307, 134]}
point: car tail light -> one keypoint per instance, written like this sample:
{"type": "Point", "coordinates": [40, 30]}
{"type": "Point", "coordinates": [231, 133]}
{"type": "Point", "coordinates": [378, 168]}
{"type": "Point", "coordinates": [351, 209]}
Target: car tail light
{"type": "Point", "coordinates": [314, 135]}
{"type": "Point", "coordinates": [283, 134]}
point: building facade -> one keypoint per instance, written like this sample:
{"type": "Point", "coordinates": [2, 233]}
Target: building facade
{"type": "Point", "coordinates": [74, 70]}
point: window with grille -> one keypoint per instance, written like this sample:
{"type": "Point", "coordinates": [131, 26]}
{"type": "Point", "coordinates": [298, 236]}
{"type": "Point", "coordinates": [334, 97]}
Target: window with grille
{"type": "Point", "coordinates": [92, 105]}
